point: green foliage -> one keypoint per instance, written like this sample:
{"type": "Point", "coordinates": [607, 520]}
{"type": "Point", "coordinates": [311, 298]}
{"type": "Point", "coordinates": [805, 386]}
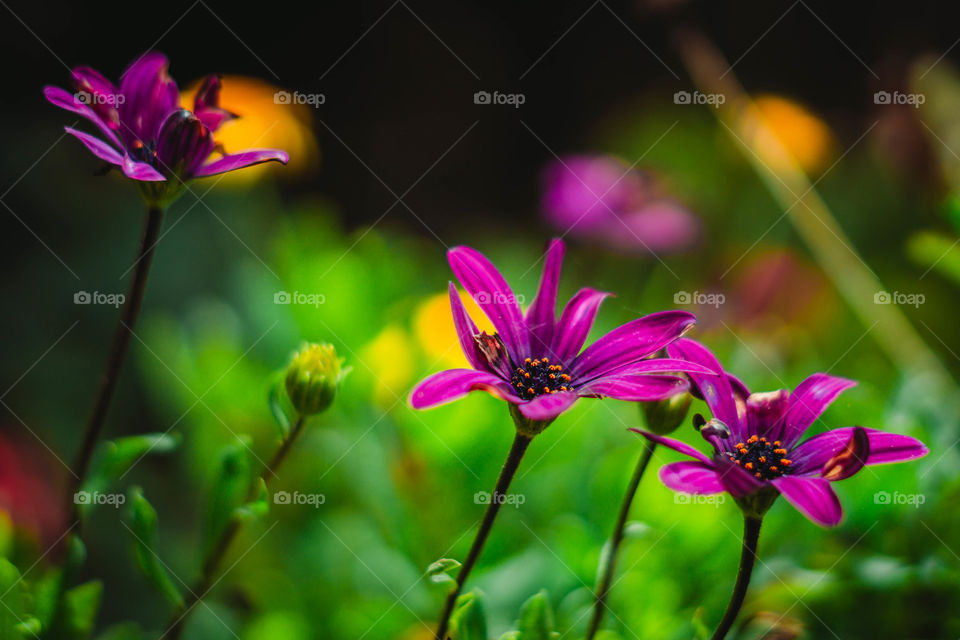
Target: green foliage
{"type": "Point", "coordinates": [143, 530]}
{"type": "Point", "coordinates": [469, 618]}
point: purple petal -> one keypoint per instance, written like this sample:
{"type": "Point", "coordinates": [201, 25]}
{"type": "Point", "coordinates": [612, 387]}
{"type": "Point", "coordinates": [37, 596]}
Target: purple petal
{"type": "Point", "coordinates": [241, 160]}
{"type": "Point", "coordinates": [149, 96]}
{"type": "Point", "coordinates": [183, 144]}
{"type": "Point", "coordinates": [807, 402]}
{"type": "Point", "coordinates": [659, 226]}
{"type": "Point", "coordinates": [689, 476]}
{"type": "Point", "coordinates": [65, 100]}
{"type": "Point", "coordinates": [140, 170]}
{"type": "Point", "coordinates": [575, 323]}
{"type": "Point", "coordinates": [850, 459]}
{"type": "Point", "coordinates": [206, 104]}
{"type": "Point", "coordinates": [466, 330]}
{"type": "Point", "coordinates": [542, 314]}
{"type": "Point", "coordinates": [764, 410]}
{"type": "Point", "coordinates": [676, 445]}
{"type": "Point", "coordinates": [101, 94]}
{"type": "Point", "coordinates": [735, 479]}
{"type": "Point", "coordinates": [630, 342]}
{"type": "Point", "coordinates": [97, 146]}
{"type": "Point", "coordinates": [452, 384]}
{"type": "Point", "coordinates": [813, 497]}
{"type": "Point", "coordinates": [810, 456]}
{"type": "Point", "coordinates": [548, 406]}
{"type": "Point", "coordinates": [492, 293]}
{"type": "Point", "coordinates": [661, 365]}
{"type": "Point", "coordinates": [636, 388]}
{"type": "Point", "coordinates": [716, 390]}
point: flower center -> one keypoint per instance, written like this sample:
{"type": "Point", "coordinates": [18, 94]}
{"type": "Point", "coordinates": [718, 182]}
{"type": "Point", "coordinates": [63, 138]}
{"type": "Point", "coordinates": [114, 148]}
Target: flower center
{"type": "Point", "coordinates": [537, 377]}
{"type": "Point", "coordinates": [765, 460]}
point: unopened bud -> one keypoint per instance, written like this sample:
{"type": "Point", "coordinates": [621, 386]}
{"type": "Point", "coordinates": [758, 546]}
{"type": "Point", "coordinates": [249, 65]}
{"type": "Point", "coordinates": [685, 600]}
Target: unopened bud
{"type": "Point", "coordinates": [313, 378]}
{"type": "Point", "coordinates": [664, 416]}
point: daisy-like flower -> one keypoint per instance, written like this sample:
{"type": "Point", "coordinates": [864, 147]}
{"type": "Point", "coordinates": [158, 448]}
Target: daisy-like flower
{"type": "Point", "coordinates": [146, 132]}
{"type": "Point", "coordinates": [757, 450]}
{"type": "Point", "coordinates": [534, 360]}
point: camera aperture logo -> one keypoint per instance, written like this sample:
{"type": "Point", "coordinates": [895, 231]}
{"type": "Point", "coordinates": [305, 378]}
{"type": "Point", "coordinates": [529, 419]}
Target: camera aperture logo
{"type": "Point", "coordinates": [497, 297]}
{"type": "Point", "coordinates": [299, 499]}
{"type": "Point", "coordinates": [898, 97]}
{"type": "Point", "coordinates": [299, 297]}
{"type": "Point", "coordinates": [115, 300]}
{"type": "Point", "coordinates": [114, 500]}
{"type": "Point", "coordinates": [697, 298]}
{"type": "Point", "coordinates": [295, 97]}
{"type": "Point", "coordinates": [712, 99]}
{"type": "Point", "coordinates": [911, 499]}
{"type": "Point", "coordinates": [695, 498]}
{"type": "Point", "coordinates": [897, 297]}
{"type": "Point", "coordinates": [484, 497]}
{"type": "Point", "coordinates": [512, 99]}
{"type": "Point", "coordinates": [108, 99]}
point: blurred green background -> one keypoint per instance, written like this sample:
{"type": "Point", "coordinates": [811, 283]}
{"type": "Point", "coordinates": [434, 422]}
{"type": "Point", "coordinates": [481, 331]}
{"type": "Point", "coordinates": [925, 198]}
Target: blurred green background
{"type": "Point", "coordinates": [398, 485]}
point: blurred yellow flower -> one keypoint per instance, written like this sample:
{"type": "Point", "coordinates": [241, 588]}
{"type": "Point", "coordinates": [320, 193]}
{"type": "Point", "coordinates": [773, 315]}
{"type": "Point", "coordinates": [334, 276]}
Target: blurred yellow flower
{"type": "Point", "coordinates": [799, 132]}
{"type": "Point", "coordinates": [263, 122]}
{"type": "Point", "coordinates": [390, 357]}
{"type": "Point", "coordinates": [433, 326]}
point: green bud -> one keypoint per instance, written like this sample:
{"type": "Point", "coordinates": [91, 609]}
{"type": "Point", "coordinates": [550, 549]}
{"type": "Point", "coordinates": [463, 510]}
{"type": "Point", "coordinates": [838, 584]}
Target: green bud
{"type": "Point", "coordinates": [313, 377]}
{"type": "Point", "coordinates": [664, 416]}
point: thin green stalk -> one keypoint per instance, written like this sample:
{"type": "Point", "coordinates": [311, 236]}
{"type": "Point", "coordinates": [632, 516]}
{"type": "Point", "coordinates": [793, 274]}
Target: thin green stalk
{"type": "Point", "coordinates": [605, 579]}
{"type": "Point", "coordinates": [116, 356]}
{"type": "Point", "coordinates": [748, 555]}
{"type": "Point", "coordinates": [218, 551]}
{"type": "Point", "coordinates": [519, 447]}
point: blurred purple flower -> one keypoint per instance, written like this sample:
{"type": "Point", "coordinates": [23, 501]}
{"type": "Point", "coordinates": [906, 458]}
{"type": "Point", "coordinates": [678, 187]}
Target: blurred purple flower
{"type": "Point", "coordinates": [599, 198]}
{"type": "Point", "coordinates": [755, 442]}
{"type": "Point", "coordinates": [148, 134]}
{"type": "Point", "coordinates": [532, 360]}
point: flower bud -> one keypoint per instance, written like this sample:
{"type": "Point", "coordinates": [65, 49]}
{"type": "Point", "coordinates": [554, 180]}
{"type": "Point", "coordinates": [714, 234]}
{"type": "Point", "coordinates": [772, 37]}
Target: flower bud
{"type": "Point", "coordinates": [664, 416]}
{"type": "Point", "coordinates": [313, 377]}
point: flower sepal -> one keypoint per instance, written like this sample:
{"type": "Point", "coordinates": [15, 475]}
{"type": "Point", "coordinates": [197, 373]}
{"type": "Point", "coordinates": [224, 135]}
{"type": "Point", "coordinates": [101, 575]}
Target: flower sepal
{"type": "Point", "coordinates": [525, 426]}
{"type": "Point", "coordinates": [756, 504]}
{"type": "Point", "coordinates": [313, 378]}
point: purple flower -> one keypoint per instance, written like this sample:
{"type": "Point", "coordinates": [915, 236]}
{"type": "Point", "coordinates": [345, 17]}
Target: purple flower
{"type": "Point", "coordinates": [533, 360]}
{"type": "Point", "coordinates": [755, 438]}
{"type": "Point", "coordinates": [145, 130]}
{"type": "Point", "coordinates": [599, 198]}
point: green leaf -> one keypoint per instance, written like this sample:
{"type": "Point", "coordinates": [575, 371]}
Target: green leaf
{"type": "Point", "coordinates": [29, 628]}
{"type": "Point", "coordinates": [536, 618]}
{"type": "Point", "coordinates": [80, 607]}
{"type": "Point", "coordinates": [936, 251]}
{"type": "Point", "coordinates": [469, 619]}
{"type": "Point", "coordinates": [276, 409]}
{"type": "Point", "coordinates": [230, 489]}
{"type": "Point", "coordinates": [259, 506]}
{"type": "Point", "coordinates": [700, 629]}
{"type": "Point", "coordinates": [143, 530]}
{"type": "Point", "coordinates": [118, 456]}
{"type": "Point", "coordinates": [438, 571]}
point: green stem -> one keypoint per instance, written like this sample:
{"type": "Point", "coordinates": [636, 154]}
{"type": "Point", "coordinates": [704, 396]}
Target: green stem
{"type": "Point", "coordinates": [218, 551]}
{"type": "Point", "coordinates": [751, 533]}
{"type": "Point", "coordinates": [519, 447]}
{"type": "Point", "coordinates": [610, 561]}
{"type": "Point", "coordinates": [117, 355]}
